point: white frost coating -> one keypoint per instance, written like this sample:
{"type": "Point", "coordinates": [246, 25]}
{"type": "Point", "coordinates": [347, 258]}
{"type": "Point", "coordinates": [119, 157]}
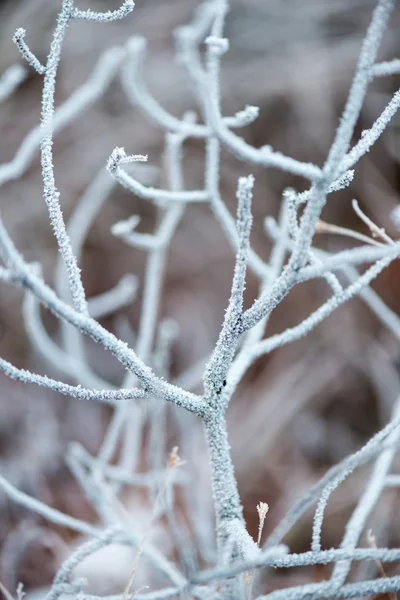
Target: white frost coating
{"type": "Point", "coordinates": [370, 136]}
{"type": "Point", "coordinates": [108, 396]}
{"type": "Point", "coordinates": [223, 354]}
{"type": "Point", "coordinates": [293, 260]}
{"type": "Point", "coordinates": [340, 184]}
{"type": "Point", "coordinates": [19, 41]}
{"type": "Point", "coordinates": [50, 192]}
{"type": "Point", "coordinates": [119, 158]}
{"type": "Point", "coordinates": [279, 557]}
{"type": "Point", "coordinates": [325, 590]}
{"type": "Point", "coordinates": [358, 87]}
{"type": "Point", "coordinates": [67, 363]}
{"type": "Point", "coordinates": [384, 69]}
{"type": "Point", "coordinates": [111, 15]}
{"type": "Point", "coordinates": [132, 80]}
{"type": "Point", "coordinates": [301, 330]}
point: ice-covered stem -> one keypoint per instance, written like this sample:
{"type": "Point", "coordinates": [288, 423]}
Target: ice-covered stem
{"type": "Point", "coordinates": [325, 591]}
{"type": "Point", "coordinates": [65, 361]}
{"type": "Point", "coordinates": [370, 136]}
{"type": "Point", "coordinates": [119, 158]}
{"type": "Point", "coordinates": [270, 298]}
{"type": "Point", "coordinates": [358, 87]}
{"type": "Point", "coordinates": [227, 504]}
{"type": "Point", "coordinates": [78, 225]}
{"type": "Point", "coordinates": [265, 156]}
{"type": "Point", "coordinates": [188, 39]}
{"type": "Point", "coordinates": [245, 356]}
{"type": "Point", "coordinates": [225, 493]}
{"type": "Point", "coordinates": [132, 80]}
{"type": "Point", "coordinates": [28, 280]}
{"type": "Point", "coordinates": [223, 354]}
{"type": "Point", "coordinates": [19, 41]}
{"type": "Point", "coordinates": [268, 301]}
{"type": "Point", "coordinates": [156, 266]}
{"type": "Point", "coordinates": [387, 68]}
{"type": "Point", "coordinates": [387, 317]}
{"type": "Point", "coordinates": [100, 17]}
{"type": "Point", "coordinates": [292, 334]}
{"type": "Point", "coordinates": [50, 192]}
{"type": "Point", "coordinates": [79, 392]}
{"type": "Point", "coordinates": [278, 557]}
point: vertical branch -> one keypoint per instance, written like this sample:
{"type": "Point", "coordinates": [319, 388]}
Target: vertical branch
{"type": "Point", "coordinates": [222, 356]}
{"type": "Point", "coordinates": [227, 503]}
{"type": "Point", "coordinates": [246, 355]}
{"type": "Point", "coordinates": [50, 192]}
{"type": "Point", "coordinates": [359, 86]}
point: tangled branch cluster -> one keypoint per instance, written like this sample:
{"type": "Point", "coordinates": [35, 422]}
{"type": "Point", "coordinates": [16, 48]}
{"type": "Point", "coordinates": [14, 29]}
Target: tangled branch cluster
{"type": "Point", "coordinates": [242, 338]}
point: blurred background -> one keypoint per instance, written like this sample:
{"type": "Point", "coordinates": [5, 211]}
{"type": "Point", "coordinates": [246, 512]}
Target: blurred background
{"type": "Point", "coordinates": [300, 409]}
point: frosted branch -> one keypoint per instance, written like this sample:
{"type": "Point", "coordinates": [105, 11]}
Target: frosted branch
{"type": "Point", "coordinates": [135, 88]}
{"type": "Point", "coordinates": [358, 87]}
{"type": "Point", "coordinates": [370, 136]}
{"type": "Point", "coordinates": [106, 538]}
{"type": "Point", "coordinates": [107, 396]}
{"type": "Point", "coordinates": [125, 231]}
{"type": "Point", "coordinates": [305, 327]}
{"type": "Point", "coordinates": [340, 183]}
{"type": "Point", "coordinates": [325, 590]}
{"type": "Point", "coordinates": [90, 327]}
{"type": "Point", "coordinates": [265, 156]}
{"type": "Point", "coordinates": [278, 557]}
{"type": "Point", "coordinates": [27, 54]}
{"type": "Point", "coordinates": [119, 158]}
{"type": "Point", "coordinates": [371, 298]}
{"type": "Point", "coordinates": [188, 39]}
{"type": "Point", "coordinates": [111, 15]}
{"type": "Point", "coordinates": [50, 192]}
{"type": "Point", "coordinates": [65, 362]}
{"type": "Point", "coordinates": [222, 356]}
{"type": "Point", "coordinates": [385, 69]}
{"type": "Point", "coordinates": [293, 260]}
{"type": "Point", "coordinates": [346, 258]}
